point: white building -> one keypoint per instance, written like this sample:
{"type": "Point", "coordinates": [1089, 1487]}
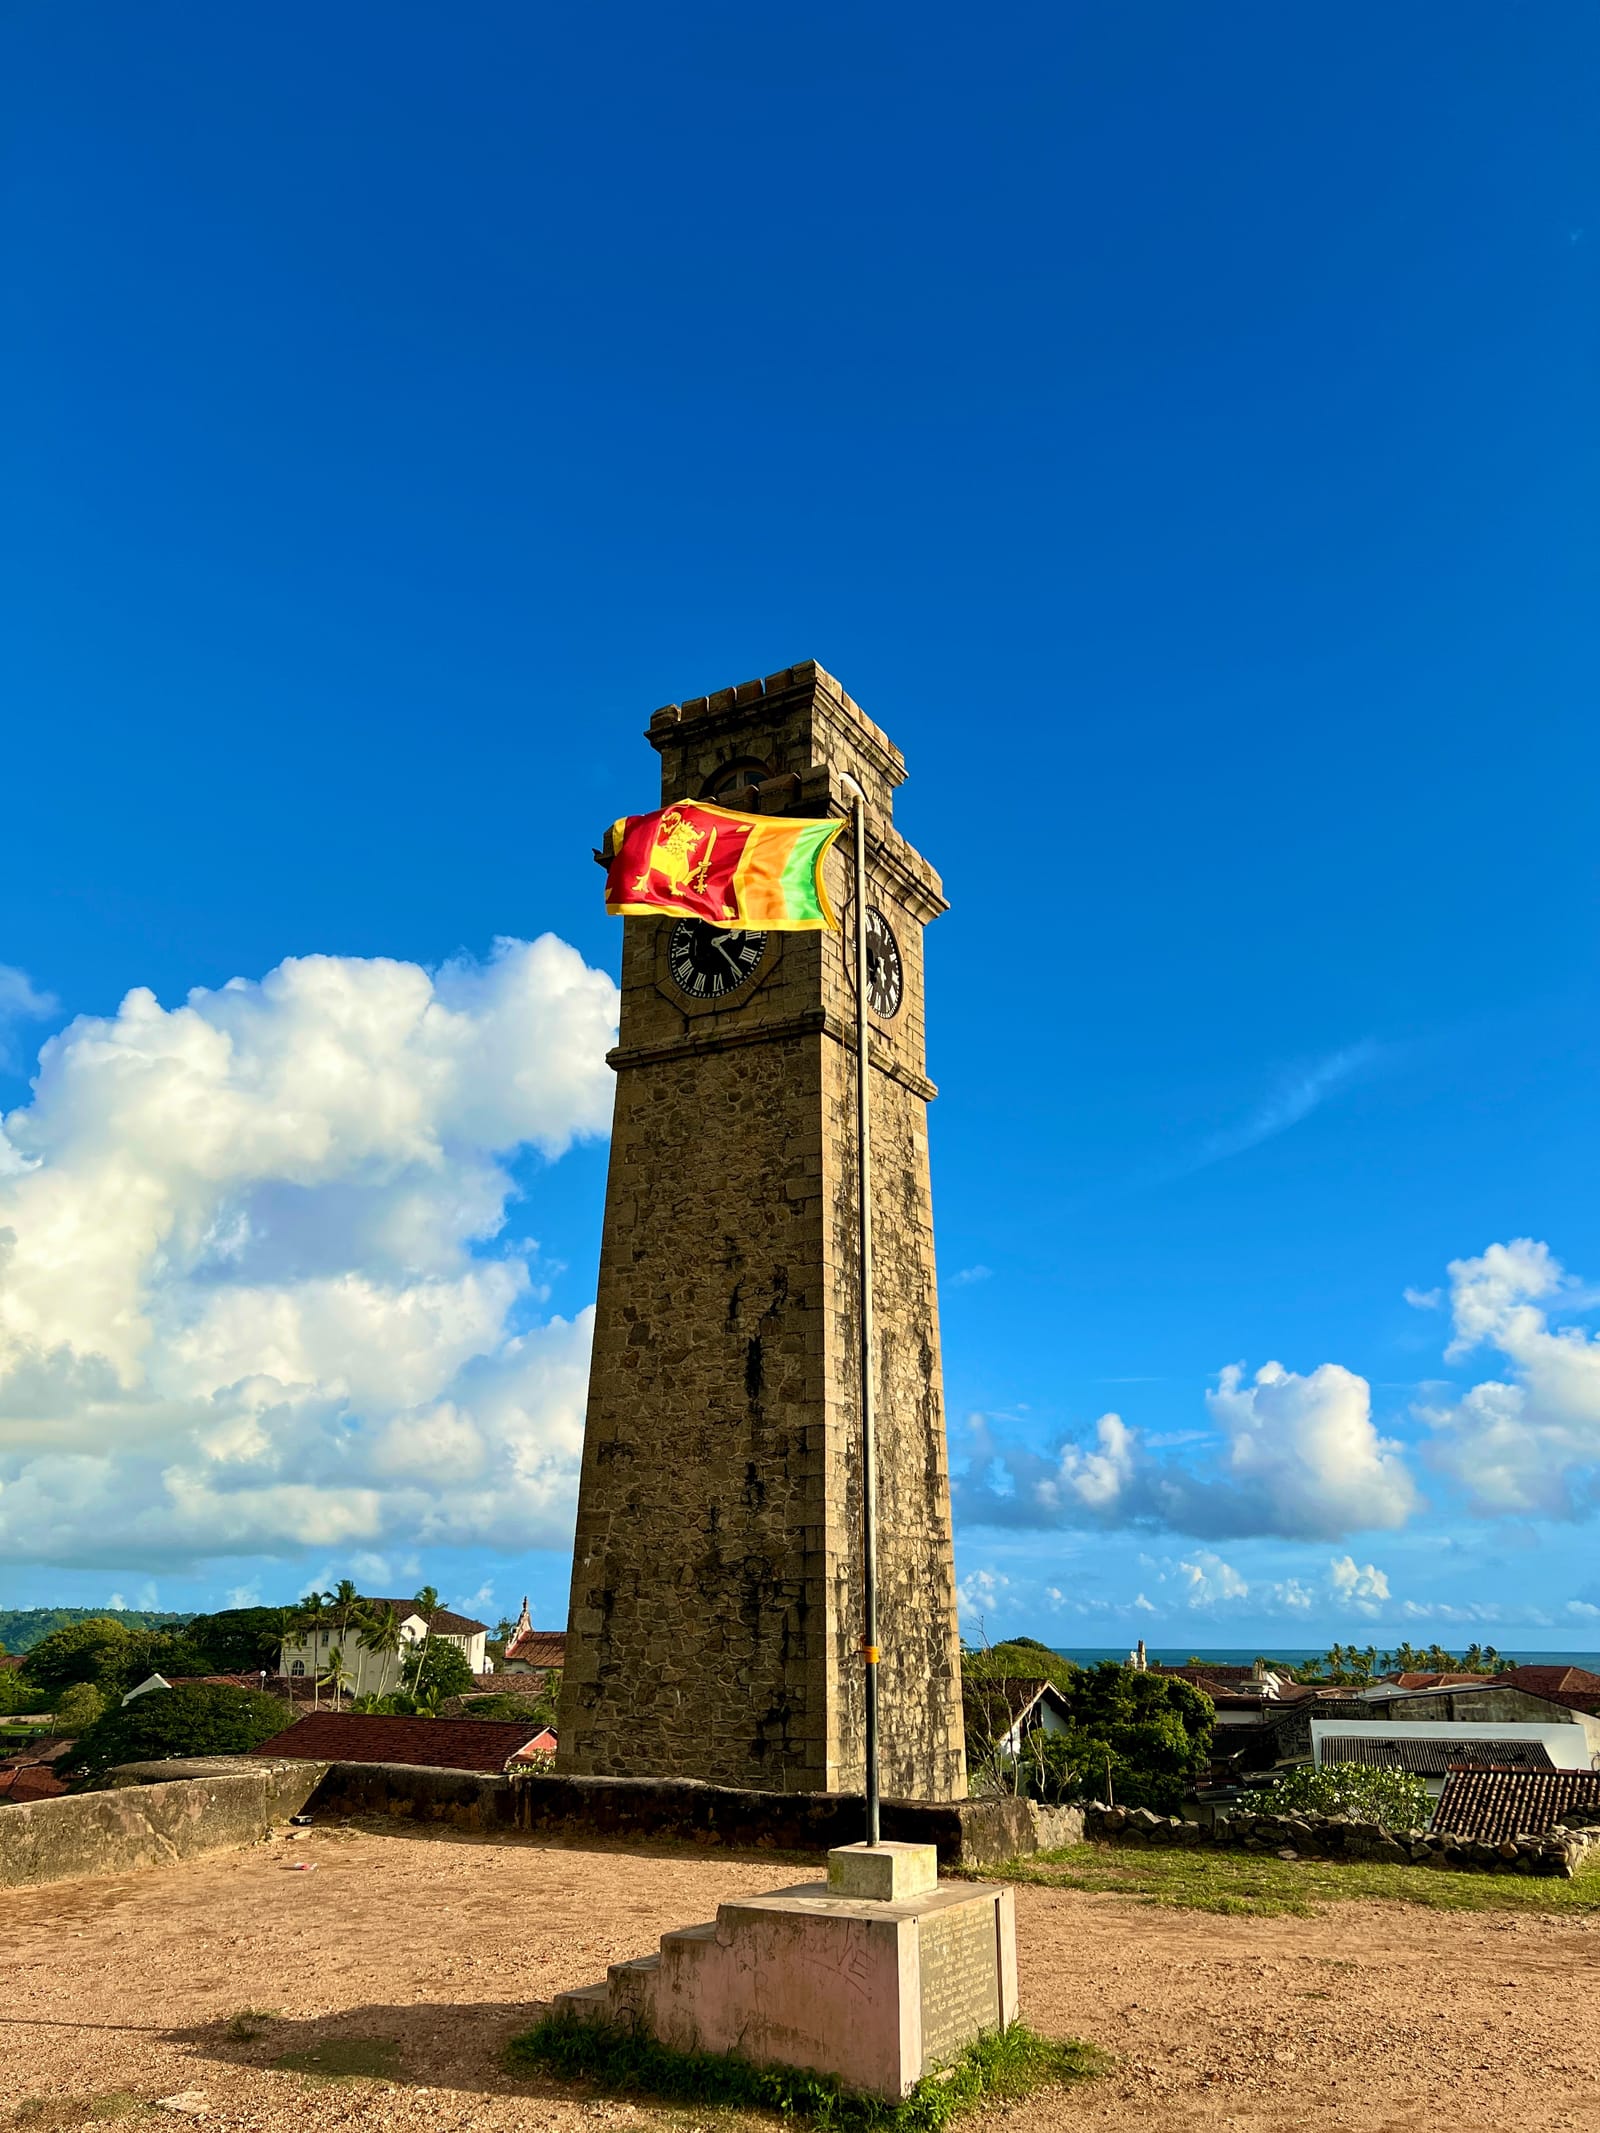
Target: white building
{"type": "Point", "coordinates": [377, 1673]}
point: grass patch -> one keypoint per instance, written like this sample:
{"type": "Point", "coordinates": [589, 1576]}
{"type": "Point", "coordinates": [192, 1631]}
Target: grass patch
{"type": "Point", "coordinates": [1004, 2064]}
{"type": "Point", "coordinates": [58, 2114]}
{"type": "Point", "coordinates": [345, 2059]}
{"type": "Point", "coordinates": [1257, 1885]}
{"type": "Point", "coordinates": [248, 2024]}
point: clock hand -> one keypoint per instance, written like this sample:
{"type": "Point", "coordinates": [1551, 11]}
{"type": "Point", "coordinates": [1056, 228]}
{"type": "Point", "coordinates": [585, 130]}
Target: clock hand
{"type": "Point", "coordinates": [724, 947]}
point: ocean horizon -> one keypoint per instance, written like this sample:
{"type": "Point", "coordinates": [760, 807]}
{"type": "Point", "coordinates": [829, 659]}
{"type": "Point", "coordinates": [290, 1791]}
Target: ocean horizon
{"type": "Point", "coordinates": [1291, 1654]}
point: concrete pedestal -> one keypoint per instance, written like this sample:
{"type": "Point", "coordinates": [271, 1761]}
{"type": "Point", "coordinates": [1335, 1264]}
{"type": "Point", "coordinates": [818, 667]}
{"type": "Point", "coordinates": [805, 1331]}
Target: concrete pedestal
{"type": "Point", "coordinates": [875, 1991]}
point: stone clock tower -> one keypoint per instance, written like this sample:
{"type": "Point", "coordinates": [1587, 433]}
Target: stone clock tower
{"type": "Point", "coordinates": [716, 1581]}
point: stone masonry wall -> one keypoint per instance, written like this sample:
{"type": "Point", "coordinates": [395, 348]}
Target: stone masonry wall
{"type": "Point", "coordinates": [1558, 1851]}
{"type": "Point", "coordinates": [152, 1824]}
{"type": "Point", "coordinates": [697, 1637]}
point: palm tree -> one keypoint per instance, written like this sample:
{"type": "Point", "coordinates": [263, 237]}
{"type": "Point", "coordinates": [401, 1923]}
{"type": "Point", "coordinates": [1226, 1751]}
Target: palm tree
{"type": "Point", "coordinates": [337, 1677]}
{"type": "Point", "coordinates": [346, 1610]}
{"type": "Point", "coordinates": [426, 1604]}
{"type": "Point", "coordinates": [309, 1619]}
{"type": "Point", "coordinates": [380, 1635]}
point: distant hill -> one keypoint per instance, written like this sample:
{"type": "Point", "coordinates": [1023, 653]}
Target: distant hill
{"type": "Point", "coordinates": [21, 1628]}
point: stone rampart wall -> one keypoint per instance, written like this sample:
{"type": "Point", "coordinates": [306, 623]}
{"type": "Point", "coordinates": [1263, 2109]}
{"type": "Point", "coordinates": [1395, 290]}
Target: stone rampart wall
{"type": "Point", "coordinates": [148, 1824]}
{"type": "Point", "coordinates": [579, 1810]}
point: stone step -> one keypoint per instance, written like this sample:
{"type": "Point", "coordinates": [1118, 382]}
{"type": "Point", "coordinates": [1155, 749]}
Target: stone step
{"type": "Point", "coordinates": [684, 1935]}
{"type": "Point", "coordinates": [588, 2003]}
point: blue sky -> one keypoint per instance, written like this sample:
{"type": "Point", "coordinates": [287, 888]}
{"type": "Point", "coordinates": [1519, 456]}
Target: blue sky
{"type": "Point", "coordinates": [1177, 429]}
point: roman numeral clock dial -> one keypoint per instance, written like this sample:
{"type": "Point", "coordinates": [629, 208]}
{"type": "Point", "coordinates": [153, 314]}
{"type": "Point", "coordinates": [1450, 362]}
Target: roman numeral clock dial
{"type": "Point", "coordinates": [709, 962]}
{"type": "Point", "coordinates": [885, 973]}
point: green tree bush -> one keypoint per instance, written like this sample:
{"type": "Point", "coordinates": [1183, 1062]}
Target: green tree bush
{"type": "Point", "coordinates": [537, 1710]}
{"type": "Point", "coordinates": [1141, 1736]}
{"type": "Point", "coordinates": [168, 1722]}
{"type": "Point", "coordinates": [18, 1694]}
{"type": "Point", "coordinates": [21, 1628]}
{"type": "Point", "coordinates": [503, 1709]}
{"type": "Point", "coordinates": [98, 1649]}
{"type": "Point", "coordinates": [1017, 1659]}
{"type": "Point", "coordinates": [439, 1670]}
{"type": "Point", "coordinates": [79, 1708]}
{"type": "Point", "coordinates": [114, 1657]}
{"type": "Point", "coordinates": [238, 1640]}
{"type": "Point", "coordinates": [169, 1652]}
{"type": "Point", "coordinates": [1392, 1798]}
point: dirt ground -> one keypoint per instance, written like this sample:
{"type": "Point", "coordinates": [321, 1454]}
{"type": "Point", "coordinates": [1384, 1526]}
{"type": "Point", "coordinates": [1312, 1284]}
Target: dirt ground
{"type": "Point", "coordinates": [1379, 2017]}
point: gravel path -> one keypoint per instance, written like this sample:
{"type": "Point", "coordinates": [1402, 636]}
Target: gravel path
{"type": "Point", "coordinates": [1373, 2016]}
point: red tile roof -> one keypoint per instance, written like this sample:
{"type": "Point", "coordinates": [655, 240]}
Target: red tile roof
{"type": "Point", "coordinates": [30, 1781]}
{"type": "Point", "coordinates": [539, 1647]}
{"type": "Point", "coordinates": [442, 1622]}
{"type": "Point", "coordinates": [531, 1685]}
{"type": "Point", "coordinates": [1540, 1680]}
{"type": "Point", "coordinates": [210, 1681]}
{"type": "Point", "coordinates": [1444, 1681]}
{"type": "Point", "coordinates": [542, 1743]}
{"type": "Point", "coordinates": [1203, 1675]}
{"type": "Point", "coordinates": [28, 1775]}
{"type": "Point", "coordinates": [1492, 1805]}
{"type": "Point", "coordinates": [42, 1749]}
{"type": "Point", "coordinates": [364, 1737]}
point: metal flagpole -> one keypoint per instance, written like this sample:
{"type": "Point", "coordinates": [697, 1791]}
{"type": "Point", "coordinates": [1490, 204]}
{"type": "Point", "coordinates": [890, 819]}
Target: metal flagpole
{"type": "Point", "coordinates": [869, 1399]}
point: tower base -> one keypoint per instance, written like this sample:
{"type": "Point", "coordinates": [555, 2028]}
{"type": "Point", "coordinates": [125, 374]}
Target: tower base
{"type": "Point", "coordinates": [874, 1991]}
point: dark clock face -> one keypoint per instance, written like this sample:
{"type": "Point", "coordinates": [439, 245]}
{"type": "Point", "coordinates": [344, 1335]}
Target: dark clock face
{"type": "Point", "coordinates": [708, 963]}
{"type": "Point", "coordinates": [885, 974]}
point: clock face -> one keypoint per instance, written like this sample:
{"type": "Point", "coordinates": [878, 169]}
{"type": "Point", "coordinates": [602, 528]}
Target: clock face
{"type": "Point", "coordinates": [708, 963]}
{"type": "Point", "coordinates": [885, 975]}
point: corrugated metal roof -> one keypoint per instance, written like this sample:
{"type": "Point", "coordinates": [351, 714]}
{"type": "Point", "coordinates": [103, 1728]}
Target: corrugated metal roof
{"type": "Point", "coordinates": [1433, 1758]}
{"type": "Point", "coordinates": [1492, 1805]}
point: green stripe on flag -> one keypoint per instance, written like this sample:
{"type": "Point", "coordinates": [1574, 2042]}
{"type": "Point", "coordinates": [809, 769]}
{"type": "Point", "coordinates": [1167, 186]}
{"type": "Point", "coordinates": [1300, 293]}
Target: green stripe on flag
{"type": "Point", "coordinates": [798, 881]}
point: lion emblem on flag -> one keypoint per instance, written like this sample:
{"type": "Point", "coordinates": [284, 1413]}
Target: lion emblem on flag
{"type": "Point", "coordinates": [677, 856]}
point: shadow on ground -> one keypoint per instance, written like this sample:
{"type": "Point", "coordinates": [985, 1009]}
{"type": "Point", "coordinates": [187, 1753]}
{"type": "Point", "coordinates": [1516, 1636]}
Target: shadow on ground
{"type": "Point", "coordinates": [633, 1847]}
{"type": "Point", "coordinates": [439, 2045]}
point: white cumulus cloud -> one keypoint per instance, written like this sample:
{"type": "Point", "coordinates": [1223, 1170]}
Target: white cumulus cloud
{"type": "Point", "coordinates": [1206, 1579]}
{"type": "Point", "coordinates": [250, 1295]}
{"type": "Point", "coordinates": [1358, 1585]}
{"type": "Point", "coordinates": [978, 1591]}
{"type": "Point", "coordinates": [1526, 1443]}
{"type": "Point", "coordinates": [1291, 1456]}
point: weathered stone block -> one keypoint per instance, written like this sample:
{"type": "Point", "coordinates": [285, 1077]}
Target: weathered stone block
{"type": "Point", "coordinates": [883, 1873]}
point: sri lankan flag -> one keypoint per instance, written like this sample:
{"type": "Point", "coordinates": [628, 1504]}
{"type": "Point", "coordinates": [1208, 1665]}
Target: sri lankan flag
{"type": "Point", "coordinates": [760, 872]}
